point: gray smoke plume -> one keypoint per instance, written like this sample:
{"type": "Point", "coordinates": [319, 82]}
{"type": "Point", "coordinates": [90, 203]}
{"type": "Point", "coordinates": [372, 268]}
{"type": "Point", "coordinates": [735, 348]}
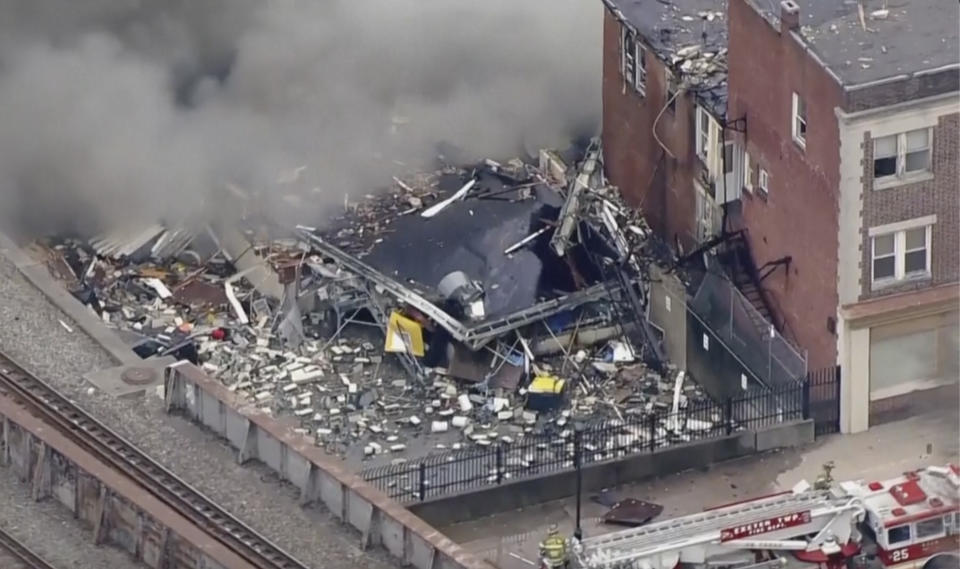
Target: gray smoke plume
{"type": "Point", "coordinates": [137, 110]}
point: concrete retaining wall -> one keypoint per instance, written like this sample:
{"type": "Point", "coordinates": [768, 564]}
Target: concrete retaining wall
{"type": "Point", "coordinates": [120, 513]}
{"type": "Point", "coordinates": [258, 436]}
{"type": "Point", "coordinates": [538, 489]}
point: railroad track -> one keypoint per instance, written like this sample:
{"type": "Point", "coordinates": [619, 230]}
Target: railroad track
{"type": "Point", "coordinates": [13, 550]}
{"type": "Point", "coordinates": [124, 457]}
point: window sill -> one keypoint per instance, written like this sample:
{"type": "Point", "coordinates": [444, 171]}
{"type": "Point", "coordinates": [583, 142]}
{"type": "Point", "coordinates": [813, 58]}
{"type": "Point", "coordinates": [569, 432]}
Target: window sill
{"type": "Point", "coordinates": [889, 182]}
{"type": "Point", "coordinates": [884, 284]}
{"type": "Point", "coordinates": [801, 143]}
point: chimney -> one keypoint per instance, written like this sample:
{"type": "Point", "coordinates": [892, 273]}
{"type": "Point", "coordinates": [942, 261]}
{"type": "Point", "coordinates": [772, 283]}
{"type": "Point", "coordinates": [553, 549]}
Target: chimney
{"type": "Point", "coordinates": [789, 15]}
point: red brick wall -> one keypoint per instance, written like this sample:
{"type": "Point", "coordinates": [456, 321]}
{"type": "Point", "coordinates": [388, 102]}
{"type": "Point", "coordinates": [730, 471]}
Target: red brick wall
{"type": "Point", "coordinates": [939, 196]}
{"type": "Point", "coordinates": [799, 218]}
{"type": "Point", "coordinates": [650, 180]}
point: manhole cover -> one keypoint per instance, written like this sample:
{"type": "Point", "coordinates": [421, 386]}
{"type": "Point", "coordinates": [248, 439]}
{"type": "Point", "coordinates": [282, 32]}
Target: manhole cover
{"type": "Point", "coordinates": [138, 375]}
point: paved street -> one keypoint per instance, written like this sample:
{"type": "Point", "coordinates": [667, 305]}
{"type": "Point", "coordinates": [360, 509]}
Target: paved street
{"type": "Point", "coordinates": [883, 452]}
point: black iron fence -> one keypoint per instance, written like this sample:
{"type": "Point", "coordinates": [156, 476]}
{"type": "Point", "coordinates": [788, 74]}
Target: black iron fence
{"type": "Point", "coordinates": [824, 400]}
{"type": "Point", "coordinates": [560, 447]}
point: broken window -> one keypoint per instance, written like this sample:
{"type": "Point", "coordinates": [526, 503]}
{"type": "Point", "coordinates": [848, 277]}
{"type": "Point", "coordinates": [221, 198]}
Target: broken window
{"type": "Point", "coordinates": [641, 59]}
{"type": "Point", "coordinates": [799, 121]}
{"type": "Point", "coordinates": [899, 156]}
{"type": "Point", "coordinates": [703, 133]}
{"type": "Point", "coordinates": [671, 92]}
{"type": "Point", "coordinates": [747, 172]}
{"type": "Point", "coordinates": [903, 254]}
{"type": "Point", "coordinates": [628, 54]}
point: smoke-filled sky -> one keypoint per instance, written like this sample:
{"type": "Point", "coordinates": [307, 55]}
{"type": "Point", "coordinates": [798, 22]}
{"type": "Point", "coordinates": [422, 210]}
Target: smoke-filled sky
{"type": "Point", "coordinates": [138, 109]}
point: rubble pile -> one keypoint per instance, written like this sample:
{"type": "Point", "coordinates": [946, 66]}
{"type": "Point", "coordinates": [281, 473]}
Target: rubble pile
{"type": "Point", "coordinates": [460, 309]}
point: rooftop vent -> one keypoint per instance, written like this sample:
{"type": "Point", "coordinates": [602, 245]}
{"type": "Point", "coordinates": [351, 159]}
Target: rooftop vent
{"type": "Point", "coordinates": [789, 15]}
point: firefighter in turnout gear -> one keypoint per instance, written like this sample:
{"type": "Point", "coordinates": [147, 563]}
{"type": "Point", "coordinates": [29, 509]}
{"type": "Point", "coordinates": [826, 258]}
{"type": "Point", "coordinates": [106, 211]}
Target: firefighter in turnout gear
{"type": "Point", "coordinates": [553, 549]}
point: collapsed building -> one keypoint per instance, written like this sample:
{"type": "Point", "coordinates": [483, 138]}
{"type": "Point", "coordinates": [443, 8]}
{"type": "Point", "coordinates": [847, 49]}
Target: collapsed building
{"type": "Point", "coordinates": [468, 306]}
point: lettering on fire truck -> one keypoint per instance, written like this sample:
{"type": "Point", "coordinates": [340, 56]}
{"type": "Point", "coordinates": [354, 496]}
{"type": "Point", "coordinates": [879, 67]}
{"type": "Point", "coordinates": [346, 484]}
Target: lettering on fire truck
{"type": "Point", "coordinates": [919, 550]}
{"type": "Point", "coordinates": [765, 526]}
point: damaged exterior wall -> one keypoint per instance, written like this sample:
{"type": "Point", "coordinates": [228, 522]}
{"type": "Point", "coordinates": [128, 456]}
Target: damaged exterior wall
{"type": "Point", "coordinates": [799, 216]}
{"type": "Point", "coordinates": [668, 311]}
{"type": "Point", "coordinates": [648, 178]}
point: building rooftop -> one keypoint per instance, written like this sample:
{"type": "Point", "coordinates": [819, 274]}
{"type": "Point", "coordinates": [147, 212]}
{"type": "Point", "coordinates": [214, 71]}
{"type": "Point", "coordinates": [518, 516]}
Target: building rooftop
{"type": "Point", "coordinates": [891, 38]}
{"type": "Point", "coordinates": [690, 36]}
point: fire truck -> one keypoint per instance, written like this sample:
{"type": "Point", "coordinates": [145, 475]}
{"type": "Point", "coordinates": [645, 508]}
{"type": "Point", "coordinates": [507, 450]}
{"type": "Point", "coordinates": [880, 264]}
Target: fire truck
{"type": "Point", "coordinates": [909, 522]}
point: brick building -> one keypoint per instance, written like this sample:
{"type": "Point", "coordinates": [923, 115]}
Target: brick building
{"type": "Point", "coordinates": [837, 134]}
{"type": "Point", "coordinates": [660, 65]}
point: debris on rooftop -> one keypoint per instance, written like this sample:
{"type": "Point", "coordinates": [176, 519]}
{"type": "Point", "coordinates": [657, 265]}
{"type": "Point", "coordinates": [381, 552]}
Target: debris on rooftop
{"type": "Point", "coordinates": [458, 308]}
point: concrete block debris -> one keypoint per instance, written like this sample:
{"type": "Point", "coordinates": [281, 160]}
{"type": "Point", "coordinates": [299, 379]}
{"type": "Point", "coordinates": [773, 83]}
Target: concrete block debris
{"type": "Point", "coordinates": [388, 335]}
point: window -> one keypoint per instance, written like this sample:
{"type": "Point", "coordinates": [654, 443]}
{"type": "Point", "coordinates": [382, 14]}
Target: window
{"type": "Point", "coordinates": [763, 181]}
{"type": "Point", "coordinates": [900, 255]}
{"type": "Point", "coordinates": [899, 156]}
{"type": "Point", "coordinates": [917, 156]}
{"type": "Point", "coordinates": [930, 528]}
{"type": "Point", "coordinates": [915, 251]}
{"type": "Point", "coordinates": [884, 257]}
{"type": "Point", "coordinates": [799, 121]}
{"type": "Point", "coordinates": [671, 92]}
{"type": "Point", "coordinates": [628, 54]}
{"type": "Point", "coordinates": [728, 158]}
{"type": "Point", "coordinates": [898, 534]}
{"type": "Point", "coordinates": [641, 69]}
{"type": "Point", "coordinates": [633, 62]}
{"type": "Point", "coordinates": [703, 133]}
{"type": "Point", "coordinates": [747, 172]}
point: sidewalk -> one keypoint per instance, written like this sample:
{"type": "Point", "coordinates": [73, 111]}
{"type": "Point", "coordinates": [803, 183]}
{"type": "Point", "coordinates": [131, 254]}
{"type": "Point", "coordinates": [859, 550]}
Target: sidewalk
{"type": "Point", "coordinates": [883, 452]}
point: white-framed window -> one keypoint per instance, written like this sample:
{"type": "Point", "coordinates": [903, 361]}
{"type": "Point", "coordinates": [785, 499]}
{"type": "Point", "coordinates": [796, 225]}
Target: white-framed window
{"type": "Point", "coordinates": [899, 156]}
{"type": "Point", "coordinates": [899, 255]}
{"type": "Point", "coordinates": [641, 59]}
{"type": "Point", "coordinates": [703, 134]}
{"type": "Point", "coordinates": [633, 60]}
{"type": "Point", "coordinates": [747, 172]}
{"type": "Point", "coordinates": [799, 123]}
{"type": "Point", "coordinates": [628, 55]}
{"type": "Point", "coordinates": [763, 181]}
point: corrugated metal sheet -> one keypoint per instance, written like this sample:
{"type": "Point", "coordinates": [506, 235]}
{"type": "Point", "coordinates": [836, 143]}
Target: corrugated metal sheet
{"type": "Point", "coordinates": [124, 243]}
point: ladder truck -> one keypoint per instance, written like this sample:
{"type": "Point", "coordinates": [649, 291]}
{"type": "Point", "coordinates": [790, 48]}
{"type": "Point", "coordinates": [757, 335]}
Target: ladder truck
{"type": "Point", "coordinates": [910, 522]}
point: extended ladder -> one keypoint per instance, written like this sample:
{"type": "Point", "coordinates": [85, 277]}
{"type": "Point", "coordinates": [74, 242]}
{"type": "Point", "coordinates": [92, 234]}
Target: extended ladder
{"type": "Point", "coordinates": [623, 547]}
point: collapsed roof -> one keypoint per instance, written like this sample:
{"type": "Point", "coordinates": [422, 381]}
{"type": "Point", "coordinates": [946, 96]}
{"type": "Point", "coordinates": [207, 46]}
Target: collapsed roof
{"type": "Point", "coordinates": [497, 237]}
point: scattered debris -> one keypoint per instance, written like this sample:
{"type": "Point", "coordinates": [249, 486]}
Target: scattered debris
{"type": "Point", "coordinates": [632, 512]}
{"type": "Point", "coordinates": [493, 327]}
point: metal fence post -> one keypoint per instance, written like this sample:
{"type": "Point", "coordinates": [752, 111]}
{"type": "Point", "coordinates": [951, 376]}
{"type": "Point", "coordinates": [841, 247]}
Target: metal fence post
{"type": "Point", "coordinates": [423, 480]}
{"type": "Point", "coordinates": [769, 355]}
{"type": "Point", "coordinates": [728, 415]}
{"type": "Point", "coordinates": [806, 397]}
{"type": "Point", "coordinates": [500, 464]}
{"type": "Point", "coordinates": [652, 426]}
{"type": "Point", "coordinates": [730, 314]}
